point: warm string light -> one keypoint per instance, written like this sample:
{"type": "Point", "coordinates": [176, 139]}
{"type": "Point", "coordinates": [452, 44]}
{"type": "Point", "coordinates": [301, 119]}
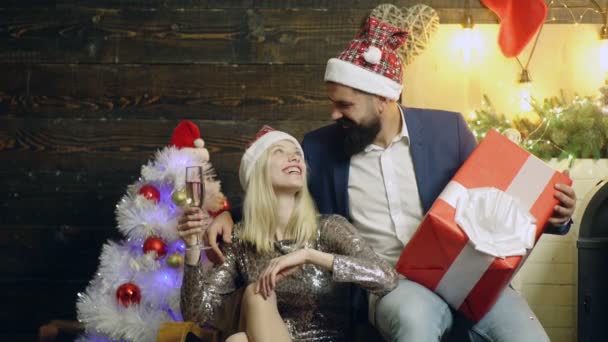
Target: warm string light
{"type": "Point", "coordinates": [525, 87]}
{"type": "Point", "coordinates": [540, 132]}
{"type": "Point", "coordinates": [469, 42]}
{"type": "Point", "coordinates": [545, 123]}
{"type": "Point", "coordinates": [575, 21]}
{"type": "Point", "coordinates": [524, 91]}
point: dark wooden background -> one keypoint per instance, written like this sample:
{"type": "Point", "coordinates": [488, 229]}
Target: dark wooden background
{"type": "Point", "coordinates": [90, 89]}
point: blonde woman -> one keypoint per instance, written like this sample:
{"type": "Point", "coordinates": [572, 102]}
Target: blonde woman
{"type": "Point", "coordinates": [295, 264]}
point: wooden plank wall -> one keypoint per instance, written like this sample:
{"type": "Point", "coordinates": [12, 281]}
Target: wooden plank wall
{"type": "Point", "coordinates": [90, 89]}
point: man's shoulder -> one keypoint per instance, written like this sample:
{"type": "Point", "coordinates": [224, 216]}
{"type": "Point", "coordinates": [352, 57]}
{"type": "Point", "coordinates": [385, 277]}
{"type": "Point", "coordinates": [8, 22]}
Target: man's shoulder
{"type": "Point", "coordinates": [431, 114]}
{"type": "Point", "coordinates": [434, 119]}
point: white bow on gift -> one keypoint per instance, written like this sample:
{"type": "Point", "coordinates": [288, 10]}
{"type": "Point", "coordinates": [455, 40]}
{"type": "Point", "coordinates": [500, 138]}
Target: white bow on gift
{"type": "Point", "coordinates": [495, 222]}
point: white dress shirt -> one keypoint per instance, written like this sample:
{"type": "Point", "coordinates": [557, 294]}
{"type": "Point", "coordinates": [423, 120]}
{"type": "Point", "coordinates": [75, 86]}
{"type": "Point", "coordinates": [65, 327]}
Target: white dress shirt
{"type": "Point", "coordinates": [384, 203]}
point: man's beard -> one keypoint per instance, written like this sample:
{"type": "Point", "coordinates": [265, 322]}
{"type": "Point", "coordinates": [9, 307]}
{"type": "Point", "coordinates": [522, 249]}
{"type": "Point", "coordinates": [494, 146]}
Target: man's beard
{"type": "Point", "coordinates": [356, 137]}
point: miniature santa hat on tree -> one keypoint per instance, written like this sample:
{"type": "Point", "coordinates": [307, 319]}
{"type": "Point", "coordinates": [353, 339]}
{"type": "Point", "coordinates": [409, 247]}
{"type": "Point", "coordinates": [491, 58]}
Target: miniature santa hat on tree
{"type": "Point", "coordinates": [519, 21]}
{"type": "Point", "coordinates": [187, 135]}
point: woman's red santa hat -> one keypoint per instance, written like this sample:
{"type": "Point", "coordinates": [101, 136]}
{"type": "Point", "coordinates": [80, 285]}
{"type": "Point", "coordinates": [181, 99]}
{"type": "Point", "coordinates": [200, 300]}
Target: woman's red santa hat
{"type": "Point", "coordinates": [265, 138]}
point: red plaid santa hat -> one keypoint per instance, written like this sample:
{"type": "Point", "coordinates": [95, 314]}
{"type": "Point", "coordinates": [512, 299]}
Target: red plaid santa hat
{"type": "Point", "coordinates": [262, 141]}
{"type": "Point", "coordinates": [370, 63]}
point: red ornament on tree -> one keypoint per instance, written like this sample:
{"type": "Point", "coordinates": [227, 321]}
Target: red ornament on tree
{"type": "Point", "coordinates": [157, 245]}
{"type": "Point", "coordinates": [150, 192]}
{"type": "Point", "coordinates": [128, 294]}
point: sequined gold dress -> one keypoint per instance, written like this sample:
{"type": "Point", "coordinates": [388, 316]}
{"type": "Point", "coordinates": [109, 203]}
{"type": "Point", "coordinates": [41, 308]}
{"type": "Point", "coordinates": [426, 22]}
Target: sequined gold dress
{"type": "Point", "coordinates": [314, 303]}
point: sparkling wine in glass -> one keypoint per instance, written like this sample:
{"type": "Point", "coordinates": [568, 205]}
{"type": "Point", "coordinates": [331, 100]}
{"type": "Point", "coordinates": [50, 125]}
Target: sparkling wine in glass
{"type": "Point", "coordinates": [195, 191]}
{"type": "Point", "coordinates": [195, 186]}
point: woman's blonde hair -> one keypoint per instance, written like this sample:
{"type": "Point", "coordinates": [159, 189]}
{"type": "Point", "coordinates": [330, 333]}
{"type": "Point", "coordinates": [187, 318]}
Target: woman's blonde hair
{"type": "Point", "coordinates": [260, 210]}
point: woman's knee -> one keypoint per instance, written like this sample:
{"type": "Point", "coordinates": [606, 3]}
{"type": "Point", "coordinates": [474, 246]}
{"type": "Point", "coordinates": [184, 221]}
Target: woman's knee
{"type": "Point", "coordinates": [249, 291]}
{"type": "Point", "coordinates": [250, 297]}
{"type": "Point", "coordinates": [238, 337]}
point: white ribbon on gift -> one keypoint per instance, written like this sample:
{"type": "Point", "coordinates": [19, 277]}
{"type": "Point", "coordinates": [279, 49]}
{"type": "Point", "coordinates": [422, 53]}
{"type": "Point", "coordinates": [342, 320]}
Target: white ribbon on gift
{"type": "Point", "coordinates": [495, 222]}
{"type": "Point", "coordinates": [474, 260]}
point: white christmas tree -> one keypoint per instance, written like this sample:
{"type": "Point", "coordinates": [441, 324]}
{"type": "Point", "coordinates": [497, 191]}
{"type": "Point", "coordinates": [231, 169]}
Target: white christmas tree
{"type": "Point", "coordinates": [137, 285]}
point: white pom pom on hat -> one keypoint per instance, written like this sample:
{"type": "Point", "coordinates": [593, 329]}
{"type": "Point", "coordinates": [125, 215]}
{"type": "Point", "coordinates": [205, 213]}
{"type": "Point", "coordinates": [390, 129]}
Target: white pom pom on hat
{"type": "Point", "coordinates": [373, 55]}
{"type": "Point", "coordinates": [200, 143]}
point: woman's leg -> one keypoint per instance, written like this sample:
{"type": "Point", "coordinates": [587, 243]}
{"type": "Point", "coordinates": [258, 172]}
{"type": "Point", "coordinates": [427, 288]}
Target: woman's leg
{"type": "Point", "coordinates": [238, 337]}
{"type": "Point", "coordinates": [260, 318]}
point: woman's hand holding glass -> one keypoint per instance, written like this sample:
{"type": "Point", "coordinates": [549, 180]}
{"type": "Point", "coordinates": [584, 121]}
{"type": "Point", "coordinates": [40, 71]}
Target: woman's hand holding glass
{"type": "Point", "coordinates": [194, 221]}
{"type": "Point", "coordinates": [191, 227]}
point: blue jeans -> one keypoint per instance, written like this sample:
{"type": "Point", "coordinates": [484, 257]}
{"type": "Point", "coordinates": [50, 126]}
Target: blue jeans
{"type": "Point", "coordinates": [413, 313]}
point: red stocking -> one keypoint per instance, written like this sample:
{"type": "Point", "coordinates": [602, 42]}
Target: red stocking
{"type": "Point", "coordinates": [519, 21]}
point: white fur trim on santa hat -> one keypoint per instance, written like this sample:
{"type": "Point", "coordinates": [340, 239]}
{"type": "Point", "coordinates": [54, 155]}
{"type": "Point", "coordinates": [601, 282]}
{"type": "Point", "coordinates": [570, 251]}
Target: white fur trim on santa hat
{"type": "Point", "coordinates": [357, 77]}
{"type": "Point", "coordinates": [253, 153]}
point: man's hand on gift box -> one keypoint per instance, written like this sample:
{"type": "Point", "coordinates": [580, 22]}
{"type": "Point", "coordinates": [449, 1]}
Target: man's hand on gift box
{"type": "Point", "coordinates": [562, 213]}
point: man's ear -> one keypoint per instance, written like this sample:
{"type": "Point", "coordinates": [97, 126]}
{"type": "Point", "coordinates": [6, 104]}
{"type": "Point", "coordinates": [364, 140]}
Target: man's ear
{"type": "Point", "coordinates": [382, 103]}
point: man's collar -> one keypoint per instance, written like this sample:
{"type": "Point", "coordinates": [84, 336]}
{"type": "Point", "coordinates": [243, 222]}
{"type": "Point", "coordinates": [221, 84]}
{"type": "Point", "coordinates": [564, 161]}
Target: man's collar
{"type": "Point", "coordinates": [403, 134]}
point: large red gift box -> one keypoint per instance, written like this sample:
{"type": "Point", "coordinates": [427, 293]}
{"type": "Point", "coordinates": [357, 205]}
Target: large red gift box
{"type": "Point", "coordinates": [441, 257]}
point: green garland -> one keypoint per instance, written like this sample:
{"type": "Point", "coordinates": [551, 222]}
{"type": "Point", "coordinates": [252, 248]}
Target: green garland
{"type": "Point", "coordinates": [558, 128]}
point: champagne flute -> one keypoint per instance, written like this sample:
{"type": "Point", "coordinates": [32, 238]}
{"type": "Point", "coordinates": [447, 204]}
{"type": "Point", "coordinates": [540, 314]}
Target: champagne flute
{"type": "Point", "coordinates": [195, 186]}
{"type": "Point", "coordinates": [195, 190]}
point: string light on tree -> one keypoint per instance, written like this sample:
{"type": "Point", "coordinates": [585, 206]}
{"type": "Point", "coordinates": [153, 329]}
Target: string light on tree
{"type": "Point", "coordinates": [513, 135]}
{"type": "Point", "coordinates": [136, 287]}
{"type": "Point", "coordinates": [603, 34]}
{"type": "Point", "coordinates": [557, 128]}
{"type": "Point", "coordinates": [574, 19]}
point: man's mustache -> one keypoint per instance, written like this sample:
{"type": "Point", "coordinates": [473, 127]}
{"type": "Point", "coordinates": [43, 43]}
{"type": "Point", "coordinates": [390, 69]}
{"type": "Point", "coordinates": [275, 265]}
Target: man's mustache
{"type": "Point", "coordinates": [346, 123]}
